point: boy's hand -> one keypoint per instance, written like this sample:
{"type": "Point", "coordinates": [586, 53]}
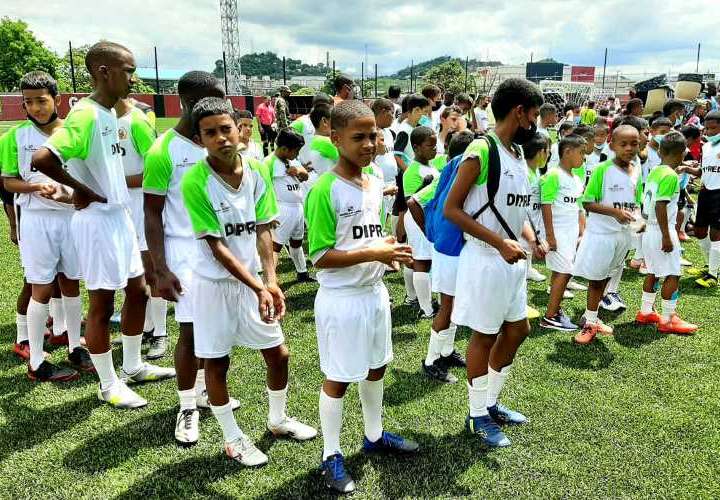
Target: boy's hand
{"type": "Point", "coordinates": [512, 251]}
{"type": "Point", "coordinates": [624, 216]}
{"type": "Point", "coordinates": [84, 196]}
{"type": "Point", "coordinates": [391, 191]}
{"type": "Point", "coordinates": [265, 305]}
{"type": "Point", "coordinates": [168, 285]}
{"type": "Point", "coordinates": [46, 190]}
{"type": "Point", "coordinates": [278, 300]}
{"type": "Point", "coordinates": [667, 244]}
{"type": "Point", "coordinates": [389, 252]}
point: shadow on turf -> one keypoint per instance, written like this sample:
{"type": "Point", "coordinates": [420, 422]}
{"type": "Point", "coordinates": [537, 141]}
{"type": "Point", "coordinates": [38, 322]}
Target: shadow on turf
{"type": "Point", "coordinates": [632, 335]}
{"type": "Point", "coordinates": [595, 356]}
{"type": "Point", "coordinates": [408, 387]}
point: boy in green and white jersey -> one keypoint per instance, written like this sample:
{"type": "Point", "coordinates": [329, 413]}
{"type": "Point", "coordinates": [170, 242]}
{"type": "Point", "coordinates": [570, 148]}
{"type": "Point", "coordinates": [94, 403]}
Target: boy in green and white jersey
{"type": "Point", "coordinates": [231, 209]}
{"type": "Point", "coordinates": [536, 152]}
{"type": "Point", "coordinates": [661, 244]}
{"type": "Point", "coordinates": [303, 125]}
{"type": "Point", "coordinates": [319, 155]}
{"type": "Point", "coordinates": [251, 149]}
{"type": "Point", "coordinates": [352, 306]}
{"type": "Point", "coordinates": [110, 262]}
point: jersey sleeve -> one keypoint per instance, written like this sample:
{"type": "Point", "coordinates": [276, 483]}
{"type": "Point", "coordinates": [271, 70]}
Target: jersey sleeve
{"type": "Point", "coordinates": [74, 138]}
{"type": "Point", "coordinates": [478, 150]}
{"type": "Point", "coordinates": [427, 193]}
{"type": "Point", "coordinates": [142, 134]}
{"type": "Point", "coordinates": [9, 155]}
{"type": "Point", "coordinates": [401, 141]}
{"type": "Point", "coordinates": [412, 181]}
{"type": "Point", "coordinates": [203, 218]}
{"type": "Point", "coordinates": [266, 208]}
{"type": "Point", "coordinates": [298, 126]}
{"type": "Point", "coordinates": [158, 170]}
{"type": "Point", "coordinates": [549, 187]}
{"type": "Point", "coordinates": [321, 218]}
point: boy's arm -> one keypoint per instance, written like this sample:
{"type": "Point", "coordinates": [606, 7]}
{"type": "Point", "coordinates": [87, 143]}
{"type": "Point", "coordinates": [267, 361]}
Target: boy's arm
{"type": "Point", "coordinates": [46, 162]}
{"type": "Point", "coordinates": [417, 213]}
{"type": "Point", "coordinates": [16, 185]}
{"type": "Point", "coordinates": [662, 219]}
{"type": "Point", "coordinates": [468, 173]}
{"type": "Point", "coordinates": [549, 190]}
{"type": "Point", "coordinates": [267, 259]}
{"type": "Point", "coordinates": [386, 251]}
{"type": "Point", "coordinates": [134, 181]}
{"type": "Point", "coordinates": [548, 222]}
{"type": "Point", "coordinates": [142, 135]}
{"type": "Point", "coordinates": [156, 180]}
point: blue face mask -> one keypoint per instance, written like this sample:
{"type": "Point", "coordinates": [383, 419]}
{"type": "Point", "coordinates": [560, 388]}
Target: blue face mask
{"type": "Point", "coordinates": [425, 121]}
{"type": "Point", "coordinates": [714, 140]}
{"type": "Point", "coordinates": [658, 138]}
{"type": "Point", "coordinates": [678, 122]}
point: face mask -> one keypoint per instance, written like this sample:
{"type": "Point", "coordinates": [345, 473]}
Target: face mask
{"type": "Point", "coordinates": [52, 118]}
{"type": "Point", "coordinates": [678, 122]}
{"type": "Point", "coordinates": [523, 135]}
{"type": "Point", "coordinates": [714, 140]}
{"type": "Point", "coordinates": [436, 106]}
{"type": "Point", "coordinates": [425, 121]}
{"type": "Point", "coordinates": [658, 138]}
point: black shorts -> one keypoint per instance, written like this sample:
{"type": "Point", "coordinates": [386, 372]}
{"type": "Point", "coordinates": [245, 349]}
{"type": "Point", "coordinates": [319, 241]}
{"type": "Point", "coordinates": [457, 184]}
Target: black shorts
{"type": "Point", "coordinates": [8, 198]}
{"type": "Point", "coordinates": [708, 209]}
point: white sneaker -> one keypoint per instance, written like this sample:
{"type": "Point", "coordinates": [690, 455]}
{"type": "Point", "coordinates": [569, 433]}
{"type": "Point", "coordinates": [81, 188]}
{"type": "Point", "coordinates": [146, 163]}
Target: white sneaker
{"type": "Point", "coordinates": [574, 285]}
{"type": "Point", "coordinates": [567, 294]}
{"type": "Point", "coordinates": [535, 275]}
{"type": "Point", "coordinates": [684, 262]}
{"type": "Point", "coordinates": [158, 347]}
{"type": "Point", "coordinates": [121, 396]}
{"type": "Point", "coordinates": [147, 373]}
{"type": "Point", "coordinates": [115, 318]}
{"type": "Point", "coordinates": [201, 401]}
{"type": "Point", "coordinates": [244, 451]}
{"type": "Point", "coordinates": [291, 428]}
{"type": "Point", "coordinates": [187, 427]}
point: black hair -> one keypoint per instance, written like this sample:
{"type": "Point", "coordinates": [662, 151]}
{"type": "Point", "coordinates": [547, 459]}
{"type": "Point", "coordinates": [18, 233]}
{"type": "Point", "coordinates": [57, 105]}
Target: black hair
{"type": "Point", "coordinates": [241, 114]}
{"type": "Point", "coordinates": [459, 143]}
{"type": "Point", "coordinates": [195, 85]}
{"type": "Point", "coordinates": [671, 106]}
{"type": "Point", "coordinates": [548, 109]}
{"type": "Point", "coordinates": [394, 91]}
{"type": "Point", "coordinates": [450, 109]}
{"type": "Point", "coordinates": [691, 132]}
{"type": "Point", "coordinates": [565, 126]}
{"type": "Point", "coordinates": [209, 106]}
{"type": "Point", "coordinates": [633, 103]}
{"type": "Point", "coordinates": [601, 127]}
{"type": "Point", "coordinates": [381, 104]}
{"type": "Point", "coordinates": [449, 98]}
{"type": "Point", "coordinates": [319, 112]}
{"type": "Point", "coordinates": [661, 122]}
{"type": "Point", "coordinates": [39, 80]}
{"type": "Point", "coordinates": [404, 104]}
{"type": "Point", "coordinates": [420, 134]}
{"type": "Point", "coordinates": [713, 116]}
{"type": "Point", "coordinates": [346, 111]}
{"type": "Point", "coordinates": [604, 112]}
{"type": "Point", "coordinates": [537, 143]}
{"type": "Point", "coordinates": [635, 122]}
{"type": "Point", "coordinates": [584, 131]}
{"type": "Point", "coordinates": [417, 101]}
{"type": "Point", "coordinates": [591, 104]}
{"type": "Point", "coordinates": [341, 81]}
{"type": "Point", "coordinates": [673, 143]}
{"type": "Point", "coordinates": [572, 141]}
{"type": "Point", "coordinates": [289, 139]}
{"type": "Point", "coordinates": [322, 98]}
{"type": "Point", "coordinates": [464, 98]}
{"type": "Point", "coordinates": [515, 92]}
{"type": "Point", "coordinates": [568, 107]}
{"type": "Point", "coordinates": [102, 54]}
{"type": "Point", "coordinates": [430, 91]}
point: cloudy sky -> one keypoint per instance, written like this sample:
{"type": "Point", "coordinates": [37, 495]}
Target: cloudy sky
{"type": "Point", "coordinates": [643, 36]}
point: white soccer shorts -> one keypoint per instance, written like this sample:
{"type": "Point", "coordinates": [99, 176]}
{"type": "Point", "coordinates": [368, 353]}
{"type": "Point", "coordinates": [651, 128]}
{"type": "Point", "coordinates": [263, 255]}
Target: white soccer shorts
{"type": "Point", "coordinates": [600, 255]}
{"type": "Point", "coordinates": [137, 214]}
{"type": "Point", "coordinates": [561, 260]}
{"type": "Point", "coordinates": [47, 247]}
{"type": "Point", "coordinates": [444, 273]}
{"type": "Point", "coordinates": [661, 264]}
{"type": "Point", "coordinates": [179, 254]}
{"type": "Point", "coordinates": [421, 247]}
{"type": "Point", "coordinates": [292, 223]}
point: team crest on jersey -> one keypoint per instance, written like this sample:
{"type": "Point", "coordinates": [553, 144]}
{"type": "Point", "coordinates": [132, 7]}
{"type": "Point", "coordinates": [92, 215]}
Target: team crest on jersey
{"type": "Point", "coordinates": [349, 211]}
{"type": "Point", "coordinates": [508, 173]}
{"type": "Point", "coordinates": [106, 131]}
{"type": "Point", "coordinates": [122, 133]}
{"type": "Point", "coordinates": [224, 207]}
{"type": "Point", "coordinates": [615, 188]}
{"type": "Point", "coordinates": [30, 148]}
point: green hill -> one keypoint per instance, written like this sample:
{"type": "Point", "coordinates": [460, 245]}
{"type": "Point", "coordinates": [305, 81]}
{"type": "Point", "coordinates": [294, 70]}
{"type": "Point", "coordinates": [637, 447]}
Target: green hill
{"type": "Point", "coordinates": [424, 67]}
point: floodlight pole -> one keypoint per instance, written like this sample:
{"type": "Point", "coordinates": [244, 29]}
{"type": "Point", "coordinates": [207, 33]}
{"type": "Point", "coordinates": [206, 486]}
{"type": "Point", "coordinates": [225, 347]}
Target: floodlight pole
{"type": "Point", "coordinates": [157, 74]}
{"type": "Point", "coordinates": [604, 68]}
{"type": "Point", "coordinates": [697, 63]}
{"type": "Point", "coordinates": [72, 70]}
{"type": "Point", "coordinates": [225, 72]}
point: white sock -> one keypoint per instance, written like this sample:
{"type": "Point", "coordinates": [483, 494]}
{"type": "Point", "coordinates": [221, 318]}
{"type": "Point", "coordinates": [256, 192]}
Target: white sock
{"type": "Point", "coordinates": [421, 282]}
{"type": "Point", "coordinates": [668, 308]}
{"type": "Point", "coordinates": [228, 424]}
{"type": "Point", "coordinates": [477, 394]}
{"type": "Point", "coordinates": [496, 380]}
{"type": "Point", "coordinates": [103, 364]}
{"type": "Point", "coordinates": [298, 257]}
{"type": "Point", "coordinates": [371, 398]}
{"type": "Point", "coordinates": [21, 325]}
{"type": "Point", "coordinates": [705, 246]}
{"type": "Point", "coordinates": [591, 316]}
{"type": "Point", "coordinates": [148, 325]}
{"type": "Point", "coordinates": [73, 320]}
{"type": "Point", "coordinates": [37, 314]}
{"type": "Point", "coordinates": [409, 287]}
{"type": "Point", "coordinates": [648, 301]}
{"type": "Point", "coordinates": [58, 315]}
{"type": "Point", "coordinates": [187, 399]}
{"type": "Point", "coordinates": [714, 258]}
{"type": "Point", "coordinates": [448, 346]}
{"type": "Point", "coordinates": [200, 382]}
{"type": "Point", "coordinates": [331, 413]}
{"type": "Point", "coordinates": [613, 285]}
{"type": "Point", "coordinates": [158, 314]}
{"type": "Point", "coordinates": [637, 243]}
{"type": "Point", "coordinates": [277, 402]}
{"type": "Point", "coordinates": [433, 352]}
{"type": "Point", "coordinates": [131, 346]}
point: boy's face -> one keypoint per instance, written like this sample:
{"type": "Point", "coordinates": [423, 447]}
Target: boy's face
{"type": "Point", "coordinates": [384, 118]}
{"type": "Point", "coordinates": [712, 127]}
{"type": "Point", "coordinates": [574, 157]}
{"type": "Point", "coordinates": [245, 126]}
{"type": "Point", "coordinates": [220, 136]}
{"type": "Point", "coordinates": [380, 143]}
{"type": "Point", "coordinates": [356, 141]}
{"type": "Point", "coordinates": [589, 146]}
{"type": "Point", "coordinates": [40, 105]}
{"type": "Point", "coordinates": [450, 123]}
{"type": "Point", "coordinates": [550, 120]}
{"type": "Point", "coordinates": [600, 137]}
{"type": "Point", "coordinates": [626, 144]}
{"type": "Point", "coordinates": [644, 138]}
{"type": "Point", "coordinates": [427, 150]}
{"type": "Point", "coordinates": [324, 127]}
{"type": "Point", "coordinates": [290, 154]}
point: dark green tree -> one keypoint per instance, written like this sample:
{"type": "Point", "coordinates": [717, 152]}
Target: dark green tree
{"type": "Point", "coordinates": [20, 53]}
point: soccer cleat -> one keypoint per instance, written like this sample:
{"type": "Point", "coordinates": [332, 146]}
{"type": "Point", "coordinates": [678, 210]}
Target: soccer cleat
{"type": "Point", "coordinates": [147, 373]}
{"type": "Point", "coordinates": [651, 318]}
{"type": "Point", "coordinates": [411, 302]}
{"type": "Point", "coordinates": [390, 443]}
{"type": "Point", "coordinates": [531, 312]}
{"type": "Point", "coordinates": [48, 372]}
{"type": "Point", "coordinates": [80, 360]}
{"type": "Point", "coordinates": [612, 302]}
{"type": "Point", "coordinates": [423, 315]}
{"type": "Point", "coordinates": [603, 329]}
{"type": "Point", "coordinates": [201, 401]}
{"type": "Point", "coordinates": [587, 335]}
{"type": "Point", "coordinates": [22, 350]}
{"type": "Point", "coordinates": [676, 325]}
{"type": "Point", "coordinates": [707, 281]}
{"type": "Point", "coordinates": [333, 473]}
{"type": "Point", "coordinates": [535, 275]}
{"type": "Point", "coordinates": [567, 294]}
{"type": "Point", "coordinates": [575, 286]}
{"type": "Point", "coordinates": [121, 396]}
{"type": "Point", "coordinates": [453, 360]}
{"type": "Point", "coordinates": [696, 271]}
{"type": "Point", "coordinates": [158, 347]}
{"type": "Point", "coordinates": [61, 339]}
{"type": "Point", "coordinates": [503, 415]}
{"type": "Point", "coordinates": [305, 278]}
{"type": "Point", "coordinates": [438, 371]}
{"type": "Point", "coordinates": [291, 428]}
{"type": "Point", "coordinates": [244, 451]}
{"type": "Point", "coordinates": [488, 430]}
{"type": "Point", "coordinates": [559, 322]}
{"type": "Point", "coordinates": [187, 427]}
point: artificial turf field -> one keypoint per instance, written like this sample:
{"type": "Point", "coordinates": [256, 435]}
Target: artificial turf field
{"type": "Point", "coordinates": [634, 415]}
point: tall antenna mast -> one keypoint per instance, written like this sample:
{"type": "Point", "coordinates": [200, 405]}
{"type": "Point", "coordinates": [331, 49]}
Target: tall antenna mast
{"type": "Point", "coordinates": [229, 21]}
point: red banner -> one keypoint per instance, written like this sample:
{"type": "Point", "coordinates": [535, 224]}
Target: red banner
{"type": "Point", "coordinates": [582, 74]}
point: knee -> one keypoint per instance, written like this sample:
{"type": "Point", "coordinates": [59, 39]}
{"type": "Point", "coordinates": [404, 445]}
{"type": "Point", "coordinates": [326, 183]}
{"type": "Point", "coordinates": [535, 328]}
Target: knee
{"type": "Point", "coordinates": [278, 357]}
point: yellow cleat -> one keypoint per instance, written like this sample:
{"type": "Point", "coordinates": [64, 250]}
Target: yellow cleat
{"type": "Point", "coordinates": [532, 313]}
{"type": "Point", "coordinates": [695, 271]}
{"type": "Point", "coordinates": [707, 281]}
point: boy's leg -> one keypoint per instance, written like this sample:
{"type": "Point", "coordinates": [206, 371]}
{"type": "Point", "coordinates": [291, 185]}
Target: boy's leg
{"type": "Point", "coordinates": [72, 306]}
{"type": "Point", "coordinates": [558, 284]}
{"type": "Point", "coordinates": [331, 412]}
{"type": "Point", "coordinates": [186, 368]}
{"type": "Point", "coordinates": [57, 313]}
{"type": "Point", "coordinates": [596, 290]}
{"type": "Point", "coordinates": [502, 355]}
{"type": "Point", "coordinates": [441, 345]}
{"type": "Point", "coordinates": [276, 361]}
{"type": "Point", "coordinates": [23, 300]}
{"type": "Point", "coordinates": [670, 322]}
{"type": "Point", "coordinates": [371, 397]}
{"type": "Point", "coordinates": [478, 358]}
{"type": "Point", "coordinates": [297, 254]}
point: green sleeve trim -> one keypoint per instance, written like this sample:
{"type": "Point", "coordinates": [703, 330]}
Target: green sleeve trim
{"type": "Point", "coordinates": [74, 138]}
{"type": "Point", "coordinates": [203, 218]}
{"type": "Point", "coordinates": [668, 186]}
{"type": "Point", "coordinates": [142, 132]}
{"type": "Point", "coordinates": [298, 126]}
{"type": "Point", "coordinates": [266, 206]}
{"type": "Point", "coordinates": [325, 147]}
{"type": "Point", "coordinates": [594, 190]}
{"type": "Point", "coordinates": [478, 149]}
{"type": "Point", "coordinates": [158, 166]}
{"type": "Point", "coordinates": [439, 162]}
{"type": "Point", "coordinates": [427, 193]}
{"type": "Point", "coordinates": [411, 179]}
{"type": "Point", "coordinates": [321, 217]}
{"type": "Point", "coordinates": [9, 153]}
{"type": "Point", "coordinates": [549, 187]}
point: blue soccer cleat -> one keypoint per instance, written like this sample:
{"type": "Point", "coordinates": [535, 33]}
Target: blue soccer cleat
{"type": "Point", "coordinates": [488, 430]}
{"type": "Point", "coordinates": [390, 442]}
{"type": "Point", "coordinates": [505, 416]}
{"type": "Point", "coordinates": [334, 475]}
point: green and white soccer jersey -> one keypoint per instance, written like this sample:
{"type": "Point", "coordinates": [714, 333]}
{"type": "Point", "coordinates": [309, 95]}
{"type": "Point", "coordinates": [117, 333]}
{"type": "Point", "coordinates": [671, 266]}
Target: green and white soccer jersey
{"type": "Point", "coordinates": [217, 209]}
{"type": "Point", "coordinates": [373, 169]}
{"type": "Point", "coordinates": [439, 161]}
{"type": "Point", "coordinates": [304, 127]}
{"type": "Point", "coordinates": [343, 216]}
{"type": "Point", "coordinates": [16, 150]}
{"type": "Point", "coordinates": [612, 186]}
{"type": "Point", "coordinates": [534, 189]}
{"type": "Point", "coordinates": [711, 166]}
{"type": "Point", "coordinates": [287, 187]}
{"type": "Point", "coordinates": [321, 153]}
{"type": "Point", "coordinates": [427, 193]}
{"type": "Point", "coordinates": [90, 135]}
{"type": "Point", "coordinates": [663, 184]}
{"type": "Point", "coordinates": [407, 153]}
{"type": "Point", "coordinates": [562, 190]}
{"type": "Point", "coordinates": [415, 175]}
{"type": "Point", "coordinates": [167, 161]}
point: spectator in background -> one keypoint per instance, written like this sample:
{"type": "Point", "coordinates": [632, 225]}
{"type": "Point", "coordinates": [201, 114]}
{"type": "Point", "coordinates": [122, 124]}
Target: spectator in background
{"type": "Point", "coordinates": [712, 96]}
{"type": "Point", "coordinates": [697, 115]}
{"type": "Point", "coordinates": [434, 95]}
{"type": "Point", "coordinates": [482, 119]}
{"type": "Point", "coordinates": [343, 88]}
{"type": "Point", "coordinates": [265, 113]}
{"type": "Point", "coordinates": [635, 107]}
{"type": "Point", "coordinates": [588, 116]}
{"type": "Point", "coordinates": [394, 95]}
{"type": "Point", "coordinates": [282, 108]}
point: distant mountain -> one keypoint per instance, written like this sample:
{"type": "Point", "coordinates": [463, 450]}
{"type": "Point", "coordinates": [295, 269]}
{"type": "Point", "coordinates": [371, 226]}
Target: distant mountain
{"type": "Point", "coordinates": [421, 68]}
{"type": "Point", "coordinates": [269, 64]}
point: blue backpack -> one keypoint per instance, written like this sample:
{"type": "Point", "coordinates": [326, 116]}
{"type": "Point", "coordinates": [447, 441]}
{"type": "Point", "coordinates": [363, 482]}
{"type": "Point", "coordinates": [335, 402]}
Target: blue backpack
{"type": "Point", "coordinates": [446, 237]}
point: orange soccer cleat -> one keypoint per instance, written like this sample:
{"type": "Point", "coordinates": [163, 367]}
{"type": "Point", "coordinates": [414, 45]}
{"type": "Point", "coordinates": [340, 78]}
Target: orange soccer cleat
{"type": "Point", "coordinates": [676, 325]}
{"type": "Point", "coordinates": [588, 334]}
{"type": "Point", "coordinates": [651, 318]}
